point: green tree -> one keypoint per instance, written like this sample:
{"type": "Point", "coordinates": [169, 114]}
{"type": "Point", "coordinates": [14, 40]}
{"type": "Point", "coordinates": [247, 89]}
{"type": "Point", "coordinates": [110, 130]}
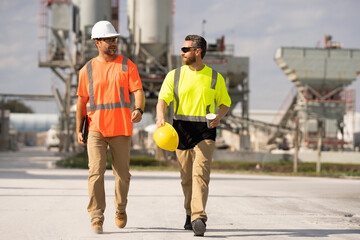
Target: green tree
{"type": "Point", "coordinates": [16, 106]}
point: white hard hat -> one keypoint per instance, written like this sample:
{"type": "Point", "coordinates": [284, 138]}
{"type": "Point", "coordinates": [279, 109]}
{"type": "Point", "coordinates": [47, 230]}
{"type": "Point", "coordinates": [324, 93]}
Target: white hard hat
{"type": "Point", "coordinates": [103, 29]}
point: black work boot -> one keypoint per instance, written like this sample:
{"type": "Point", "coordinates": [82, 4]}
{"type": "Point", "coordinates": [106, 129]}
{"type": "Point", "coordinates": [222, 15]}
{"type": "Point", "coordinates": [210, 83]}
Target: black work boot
{"type": "Point", "coordinates": [187, 225]}
{"type": "Point", "coordinates": [199, 227]}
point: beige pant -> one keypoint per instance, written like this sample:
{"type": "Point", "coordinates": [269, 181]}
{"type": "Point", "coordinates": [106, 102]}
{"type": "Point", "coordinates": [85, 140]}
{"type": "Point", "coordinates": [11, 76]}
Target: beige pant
{"type": "Point", "coordinates": [120, 153]}
{"type": "Point", "coordinates": [195, 167]}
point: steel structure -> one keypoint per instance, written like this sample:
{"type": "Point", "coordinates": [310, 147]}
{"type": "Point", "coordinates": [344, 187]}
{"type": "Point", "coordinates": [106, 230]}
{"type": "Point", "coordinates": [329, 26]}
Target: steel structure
{"type": "Point", "coordinates": [321, 76]}
{"type": "Point", "coordinates": [149, 44]}
{"type": "Point", "coordinates": [66, 27]}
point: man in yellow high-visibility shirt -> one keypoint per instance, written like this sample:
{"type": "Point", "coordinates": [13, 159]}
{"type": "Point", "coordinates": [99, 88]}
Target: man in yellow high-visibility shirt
{"type": "Point", "coordinates": [194, 88]}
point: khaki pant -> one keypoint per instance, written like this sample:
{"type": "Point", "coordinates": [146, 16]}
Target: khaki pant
{"type": "Point", "coordinates": [120, 153]}
{"type": "Point", "coordinates": [195, 167]}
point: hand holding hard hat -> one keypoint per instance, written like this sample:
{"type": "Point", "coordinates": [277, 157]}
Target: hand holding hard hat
{"type": "Point", "coordinates": [166, 137]}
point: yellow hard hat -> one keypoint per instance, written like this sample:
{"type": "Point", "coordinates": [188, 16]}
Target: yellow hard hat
{"type": "Point", "coordinates": [166, 137]}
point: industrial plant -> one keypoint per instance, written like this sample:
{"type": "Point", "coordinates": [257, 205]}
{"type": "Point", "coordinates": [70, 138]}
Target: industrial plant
{"type": "Point", "coordinates": [319, 112]}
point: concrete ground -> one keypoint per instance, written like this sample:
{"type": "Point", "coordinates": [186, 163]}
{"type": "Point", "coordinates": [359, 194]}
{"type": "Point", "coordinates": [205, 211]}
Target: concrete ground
{"type": "Point", "coordinates": [38, 201]}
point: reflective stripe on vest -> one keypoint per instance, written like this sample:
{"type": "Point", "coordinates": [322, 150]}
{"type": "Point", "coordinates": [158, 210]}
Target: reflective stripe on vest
{"type": "Point", "coordinates": [93, 106]}
{"type": "Point", "coordinates": [176, 95]}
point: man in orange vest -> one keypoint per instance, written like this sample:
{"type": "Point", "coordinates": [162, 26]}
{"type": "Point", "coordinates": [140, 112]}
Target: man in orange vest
{"type": "Point", "coordinates": [105, 84]}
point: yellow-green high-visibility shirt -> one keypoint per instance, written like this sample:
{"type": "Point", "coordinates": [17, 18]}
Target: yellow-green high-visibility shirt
{"type": "Point", "coordinates": [194, 92]}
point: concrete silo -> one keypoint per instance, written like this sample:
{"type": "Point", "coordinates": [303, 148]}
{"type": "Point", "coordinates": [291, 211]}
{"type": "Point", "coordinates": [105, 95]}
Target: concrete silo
{"type": "Point", "coordinates": [86, 14]}
{"type": "Point", "coordinates": [150, 27]}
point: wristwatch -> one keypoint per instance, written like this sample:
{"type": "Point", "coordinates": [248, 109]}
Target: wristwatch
{"type": "Point", "coordinates": [140, 110]}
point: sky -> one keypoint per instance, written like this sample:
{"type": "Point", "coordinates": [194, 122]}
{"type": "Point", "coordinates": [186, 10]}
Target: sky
{"type": "Point", "coordinates": [256, 28]}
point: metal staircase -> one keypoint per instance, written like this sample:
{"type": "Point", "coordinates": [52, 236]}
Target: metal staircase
{"type": "Point", "coordinates": [285, 120]}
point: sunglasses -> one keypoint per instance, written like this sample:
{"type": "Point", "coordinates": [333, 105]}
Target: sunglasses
{"type": "Point", "coordinates": [110, 40]}
{"type": "Point", "coordinates": [186, 49]}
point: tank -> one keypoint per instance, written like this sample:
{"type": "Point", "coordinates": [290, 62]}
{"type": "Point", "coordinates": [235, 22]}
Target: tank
{"type": "Point", "coordinates": [321, 75]}
{"type": "Point", "coordinates": [87, 13]}
{"type": "Point", "coordinates": [60, 19]}
{"type": "Point", "coordinates": [92, 11]}
{"type": "Point", "coordinates": [60, 16]}
{"type": "Point", "coordinates": [150, 23]}
{"type": "Point", "coordinates": [319, 67]}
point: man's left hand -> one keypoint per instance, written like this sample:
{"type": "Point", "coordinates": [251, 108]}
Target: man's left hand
{"type": "Point", "coordinates": [136, 116]}
{"type": "Point", "coordinates": [214, 123]}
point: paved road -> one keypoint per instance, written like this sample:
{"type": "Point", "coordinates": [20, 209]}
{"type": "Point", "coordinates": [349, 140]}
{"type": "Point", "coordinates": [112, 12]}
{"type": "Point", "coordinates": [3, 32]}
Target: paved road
{"type": "Point", "coordinates": [41, 202]}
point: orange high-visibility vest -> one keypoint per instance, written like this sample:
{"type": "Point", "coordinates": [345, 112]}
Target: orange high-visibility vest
{"type": "Point", "coordinates": [108, 86]}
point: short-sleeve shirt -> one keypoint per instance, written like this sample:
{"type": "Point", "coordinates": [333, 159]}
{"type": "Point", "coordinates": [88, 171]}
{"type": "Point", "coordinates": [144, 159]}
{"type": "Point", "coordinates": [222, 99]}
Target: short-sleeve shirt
{"type": "Point", "coordinates": [196, 99]}
{"type": "Point", "coordinates": [110, 83]}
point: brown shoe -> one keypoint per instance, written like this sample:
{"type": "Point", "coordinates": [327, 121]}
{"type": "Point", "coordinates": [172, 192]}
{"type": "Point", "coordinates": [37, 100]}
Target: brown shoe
{"type": "Point", "coordinates": [121, 219]}
{"type": "Point", "coordinates": [97, 228]}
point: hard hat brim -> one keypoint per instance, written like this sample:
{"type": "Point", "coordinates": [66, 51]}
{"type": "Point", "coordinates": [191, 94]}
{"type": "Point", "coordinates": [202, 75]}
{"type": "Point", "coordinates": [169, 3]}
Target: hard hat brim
{"type": "Point", "coordinates": [107, 36]}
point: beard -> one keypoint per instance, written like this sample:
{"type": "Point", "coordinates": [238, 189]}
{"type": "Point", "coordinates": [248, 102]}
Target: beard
{"type": "Point", "coordinates": [111, 51]}
{"type": "Point", "coordinates": [189, 60]}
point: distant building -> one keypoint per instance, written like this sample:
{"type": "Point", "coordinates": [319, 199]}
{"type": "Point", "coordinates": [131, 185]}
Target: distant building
{"type": "Point", "coordinates": [351, 128]}
{"type": "Point", "coordinates": [33, 122]}
{"type": "Point", "coordinates": [4, 130]}
{"type": "Point", "coordinates": [32, 129]}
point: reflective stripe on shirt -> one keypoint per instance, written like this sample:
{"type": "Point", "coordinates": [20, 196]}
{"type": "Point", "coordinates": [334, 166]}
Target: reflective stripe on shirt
{"type": "Point", "coordinates": [93, 106]}
{"type": "Point", "coordinates": [176, 96]}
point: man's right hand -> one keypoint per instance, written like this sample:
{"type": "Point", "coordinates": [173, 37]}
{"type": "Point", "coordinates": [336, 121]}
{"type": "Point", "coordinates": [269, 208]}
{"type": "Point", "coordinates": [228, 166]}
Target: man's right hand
{"type": "Point", "coordinates": [80, 139]}
{"type": "Point", "coordinates": [160, 122]}
{"type": "Point", "coordinates": [160, 113]}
